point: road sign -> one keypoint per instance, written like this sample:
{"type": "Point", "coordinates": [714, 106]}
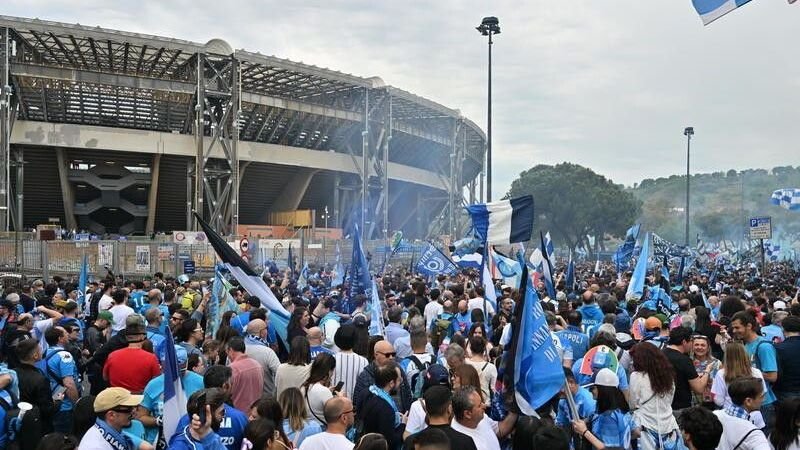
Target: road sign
{"type": "Point", "coordinates": [760, 228]}
{"type": "Point", "coordinates": [188, 267]}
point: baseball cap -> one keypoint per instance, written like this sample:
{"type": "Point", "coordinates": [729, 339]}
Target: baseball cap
{"type": "Point", "coordinates": [652, 323]}
{"type": "Point", "coordinates": [134, 324]}
{"type": "Point", "coordinates": [106, 315]}
{"type": "Point", "coordinates": [113, 397]}
{"type": "Point", "coordinates": [780, 305]}
{"type": "Point", "coordinates": [181, 356]}
{"type": "Point", "coordinates": [605, 377]}
{"type": "Point", "coordinates": [436, 375]}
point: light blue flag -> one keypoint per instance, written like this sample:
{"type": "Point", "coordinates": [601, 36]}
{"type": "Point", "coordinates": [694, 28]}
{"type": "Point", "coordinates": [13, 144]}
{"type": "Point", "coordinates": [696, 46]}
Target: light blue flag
{"type": "Point", "coordinates": [711, 10]}
{"type": "Point", "coordinates": [376, 313]}
{"type": "Point", "coordinates": [510, 269]}
{"type": "Point", "coordinates": [302, 280]}
{"type": "Point", "coordinates": [174, 396]}
{"type": "Point", "coordinates": [548, 243]}
{"type": "Point", "coordinates": [433, 262]}
{"type": "Point", "coordinates": [83, 279]}
{"type": "Point", "coordinates": [338, 278]}
{"type": "Point", "coordinates": [570, 277]}
{"type": "Point", "coordinates": [547, 273]}
{"type": "Point", "coordinates": [221, 301]}
{"type": "Point", "coordinates": [636, 285]}
{"type": "Point", "coordinates": [788, 198]}
{"type": "Point", "coordinates": [665, 270]}
{"type": "Point", "coordinates": [538, 374]}
{"type": "Point", "coordinates": [360, 281]}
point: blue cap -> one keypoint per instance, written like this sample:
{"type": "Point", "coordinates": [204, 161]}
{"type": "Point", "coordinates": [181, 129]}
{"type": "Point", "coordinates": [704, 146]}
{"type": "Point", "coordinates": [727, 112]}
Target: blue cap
{"type": "Point", "coordinates": [436, 375]}
{"type": "Point", "coordinates": [181, 356]}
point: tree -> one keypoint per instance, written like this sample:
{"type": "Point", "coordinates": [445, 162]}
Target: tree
{"type": "Point", "coordinates": [572, 201]}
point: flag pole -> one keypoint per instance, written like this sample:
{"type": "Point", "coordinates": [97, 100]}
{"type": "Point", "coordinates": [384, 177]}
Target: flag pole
{"type": "Point", "coordinates": [573, 408]}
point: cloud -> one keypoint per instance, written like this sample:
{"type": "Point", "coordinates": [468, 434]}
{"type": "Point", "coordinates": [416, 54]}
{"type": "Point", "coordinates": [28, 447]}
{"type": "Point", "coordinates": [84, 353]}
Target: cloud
{"type": "Point", "coordinates": [609, 85]}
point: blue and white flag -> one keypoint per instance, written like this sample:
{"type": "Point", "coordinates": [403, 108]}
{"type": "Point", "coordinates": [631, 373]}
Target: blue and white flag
{"type": "Point", "coordinates": [681, 269]}
{"type": "Point", "coordinates": [548, 244]}
{"type": "Point", "coordinates": [470, 260]}
{"type": "Point", "coordinates": [433, 262]}
{"type": "Point", "coordinates": [174, 395]}
{"type": "Point", "coordinates": [504, 222]}
{"type": "Point", "coordinates": [787, 198]}
{"type": "Point", "coordinates": [83, 279]}
{"type": "Point", "coordinates": [622, 256]}
{"type": "Point", "coordinates": [547, 270]}
{"type": "Point", "coordinates": [636, 285]}
{"type": "Point", "coordinates": [510, 269]}
{"type": "Point", "coordinates": [538, 374]}
{"type": "Point", "coordinates": [376, 313]}
{"type": "Point", "coordinates": [302, 280]}
{"type": "Point", "coordinates": [570, 277]}
{"type": "Point", "coordinates": [249, 280]}
{"type": "Point", "coordinates": [360, 280]}
{"type": "Point", "coordinates": [772, 251]}
{"type": "Point", "coordinates": [711, 10]}
{"type": "Point", "coordinates": [665, 270]}
{"type": "Point", "coordinates": [338, 270]}
{"type": "Point", "coordinates": [221, 301]}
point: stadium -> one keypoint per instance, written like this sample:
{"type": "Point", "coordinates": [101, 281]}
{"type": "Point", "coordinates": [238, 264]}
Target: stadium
{"type": "Point", "coordinates": [107, 131]}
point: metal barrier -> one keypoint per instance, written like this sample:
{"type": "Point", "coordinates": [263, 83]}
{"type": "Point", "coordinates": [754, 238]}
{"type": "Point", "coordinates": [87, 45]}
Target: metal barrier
{"type": "Point", "coordinates": [29, 259]}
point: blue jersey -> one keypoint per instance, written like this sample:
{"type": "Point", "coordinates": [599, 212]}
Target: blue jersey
{"type": "Point", "coordinates": [613, 428]}
{"type": "Point", "coordinates": [575, 338]}
{"type": "Point", "coordinates": [60, 364]}
{"type": "Point", "coordinates": [137, 300]}
{"type": "Point", "coordinates": [231, 430]}
{"type": "Point", "coordinates": [764, 358]}
{"type": "Point", "coordinates": [239, 323]}
{"type": "Point", "coordinates": [585, 403]}
{"type": "Point", "coordinates": [153, 397]}
{"type": "Point", "coordinates": [592, 318]}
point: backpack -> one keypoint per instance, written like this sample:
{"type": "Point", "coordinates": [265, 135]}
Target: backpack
{"type": "Point", "coordinates": [44, 366]}
{"type": "Point", "coordinates": [440, 329]}
{"type": "Point", "coordinates": [418, 379]}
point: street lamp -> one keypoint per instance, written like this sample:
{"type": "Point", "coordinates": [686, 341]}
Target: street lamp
{"type": "Point", "coordinates": [489, 26]}
{"type": "Point", "coordinates": [325, 216]}
{"type": "Point", "coordinates": [688, 132]}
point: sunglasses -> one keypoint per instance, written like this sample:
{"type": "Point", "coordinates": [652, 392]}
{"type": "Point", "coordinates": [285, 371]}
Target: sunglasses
{"type": "Point", "coordinates": [123, 410]}
{"type": "Point", "coordinates": [388, 355]}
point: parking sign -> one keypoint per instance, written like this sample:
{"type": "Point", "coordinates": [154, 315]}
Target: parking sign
{"type": "Point", "coordinates": [760, 228]}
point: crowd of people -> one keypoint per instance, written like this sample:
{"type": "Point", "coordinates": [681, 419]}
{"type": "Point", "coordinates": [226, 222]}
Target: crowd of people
{"type": "Point", "coordinates": [716, 367]}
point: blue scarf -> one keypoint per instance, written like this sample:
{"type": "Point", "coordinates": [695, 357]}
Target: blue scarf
{"type": "Point", "coordinates": [737, 411]}
{"type": "Point", "coordinates": [117, 440]}
{"type": "Point", "coordinates": [254, 340]}
{"type": "Point", "coordinates": [388, 399]}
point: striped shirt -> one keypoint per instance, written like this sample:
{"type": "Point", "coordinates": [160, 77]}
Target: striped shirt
{"type": "Point", "coordinates": [348, 366]}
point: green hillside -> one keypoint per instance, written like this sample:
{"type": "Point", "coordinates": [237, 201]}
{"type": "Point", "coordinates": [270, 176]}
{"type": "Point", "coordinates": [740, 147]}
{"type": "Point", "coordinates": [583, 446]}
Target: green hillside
{"type": "Point", "coordinates": [720, 205]}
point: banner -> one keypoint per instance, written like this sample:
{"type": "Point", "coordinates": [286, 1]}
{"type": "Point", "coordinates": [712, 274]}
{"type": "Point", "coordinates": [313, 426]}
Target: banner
{"type": "Point", "coordinates": [433, 262]}
{"type": "Point", "coordinates": [105, 255]}
{"type": "Point", "coordinates": [143, 258]}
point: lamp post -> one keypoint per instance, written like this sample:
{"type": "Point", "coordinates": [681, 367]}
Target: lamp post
{"type": "Point", "coordinates": [489, 26]}
{"type": "Point", "coordinates": [688, 132]}
{"type": "Point", "coordinates": [325, 238]}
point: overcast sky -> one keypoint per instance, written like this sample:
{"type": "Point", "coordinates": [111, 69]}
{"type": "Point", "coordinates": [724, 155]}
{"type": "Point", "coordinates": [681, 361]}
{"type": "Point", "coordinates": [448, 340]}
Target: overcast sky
{"type": "Point", "coordinates": [608, 84]}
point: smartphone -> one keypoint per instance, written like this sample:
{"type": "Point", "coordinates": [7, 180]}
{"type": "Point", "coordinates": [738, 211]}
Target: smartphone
{"type": "Point", "coordinates": [338, 386]}
{"type": "Point", "coordinates": [200, 406]}
{"type": "Point", "coordinates": [59, 392]}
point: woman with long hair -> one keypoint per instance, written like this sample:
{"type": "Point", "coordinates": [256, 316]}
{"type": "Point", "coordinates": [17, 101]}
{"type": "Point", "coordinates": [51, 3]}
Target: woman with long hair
{"type": "Point", "coordinates": [225, 323]}
{"type": "Point", "coordinates": [262, 434]}
{"type": "Point", "coordinates": [650, 391]}
{"type": "Point", "coordinates": [190, 336]}
{"type": "Point", "coordinates": [294, 372]}
{"type": "Point", "coordinates": [708, 328]}
{"type": "Point", "coordinates": [612, 424]}
{"type": "Point", "coordinates": [268, 408]}
{"type": "Point", "coordinates": [298, 323]}
{"type": "Point", "coordinates": [466, 375]}
{"type": "Point", "coordinates": [296, 424]}
{"type": "Point", "coordinates": [317, 388]}
{"type": "Point", "coordinates": [786, 435]}
{"type": "Point", "coordinates": [736, 365]}
{"type": "Point", "coordinates": [478, 329]}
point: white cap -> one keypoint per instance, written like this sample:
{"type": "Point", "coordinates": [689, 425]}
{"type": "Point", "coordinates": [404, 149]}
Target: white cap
{"type": "Point", "coordinates": [605, 377]}
{"type": "Point", "coordinates": [779, 305]}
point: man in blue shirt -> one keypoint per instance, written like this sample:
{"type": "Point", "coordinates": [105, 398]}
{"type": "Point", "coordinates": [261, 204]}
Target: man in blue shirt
{"type": "Point", "coordinates": [239, 323]}
{"type": "Point", "coordinates": [155, 318]}
{"type": "Point", "coordinates": [573, 336]}
{"type": "Point", "coordinates": [762, 357]}
{"type": "Point", "coordinates": [774, 332]}
{"type": "Point", "coordinates": [61, 370]}
{"type": "Point", "coordinates": [461, 321]}
{"type": "Point", "coordinates": [394, 330]}
{"type": "Point", "coordinates": [231, 429]}
{"type": "Point", "coordinates": [592, 315]}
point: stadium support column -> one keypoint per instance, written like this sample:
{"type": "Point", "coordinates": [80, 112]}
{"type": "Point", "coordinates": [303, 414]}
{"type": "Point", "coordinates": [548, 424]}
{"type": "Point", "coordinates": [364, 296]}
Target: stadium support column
{"type": "Point", "coordinates": [454, 186]}
{"type": "Point", "coordinates": [385, 187]}
{"type": "Point", "coordinates": [365, 168]}
{"type": "Point", "coordinates": [152, 196]}
{"type": "Point", "coordinates": [217, 164]}
{"type": "Point", "coordinates": [5, 127]}
{"type": "Point", "coordinates": [66, 190]}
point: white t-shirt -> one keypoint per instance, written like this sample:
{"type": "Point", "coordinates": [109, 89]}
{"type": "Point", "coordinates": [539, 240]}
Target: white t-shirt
{"type": "Point", "coordinates": [477, 303]}
{"type": "Point", "coordinates": [719, 389]}
{"type": "Point", "coordinates": [416, 418]}
{"type": "Point", "coordinates": [120, 313]}
{"type": "Point", "coordinates": [412, 369]}
{"type": "Point", "coordinates": [93, 440]}
{"type": "Point", "coordinates": [432, 309]}
{"type": "Point", "coordinates": [735, 429]}
{"type": "Point", "coordinates": [326, 441]}
{"type": "Point", "coordinates": [484, 437]}
{"type": "Point", "coordinates": [488, 375]}
{"type": "Point", "coordinates": [317, 396]}
{"type": "Point", "coordinates": [105, 303]}
{"type": "Point", "coordinates": [39, 327]}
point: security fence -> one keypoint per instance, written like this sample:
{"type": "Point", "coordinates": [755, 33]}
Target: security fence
{"type": "Point", "coordinates": [136, 259]}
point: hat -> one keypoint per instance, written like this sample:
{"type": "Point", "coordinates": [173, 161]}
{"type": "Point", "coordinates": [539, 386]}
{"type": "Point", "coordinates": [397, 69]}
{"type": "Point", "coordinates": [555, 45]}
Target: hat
{"type": "Point", "coordinates": [652, 323]}
{"type": "Point", "coordinates": [113, 397]}
{"type": "Point", "coordinates": [503, 287]}
{"type": "Point", "coordinates": [694, 288]}
{"type": "Point", "coordinates": [181, 356]}
{"type": "Point", "coordinates": [779, 305]}
{"type": "Point", "coordinates": [134, 324]}
{"type": "Point", "coordinates": [605, 377]}
{"type": "Point", "coordinates": [106, 315]}
{"type": "Point", "coordinates": [436, 375]}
